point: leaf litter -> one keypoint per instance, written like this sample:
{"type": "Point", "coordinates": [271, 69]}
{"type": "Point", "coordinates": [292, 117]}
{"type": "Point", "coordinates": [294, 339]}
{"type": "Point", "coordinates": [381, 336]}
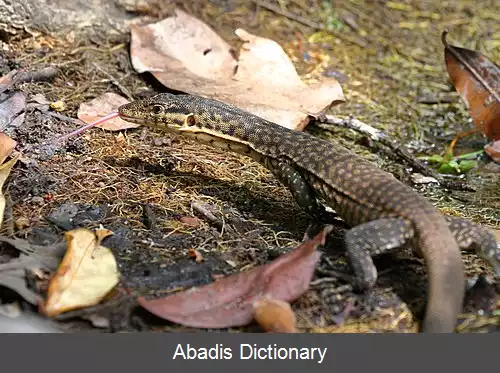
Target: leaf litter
{"type": "Point", "coordinates": [7, 145]}
{"type": "Point", "coordinates": [187, 153]}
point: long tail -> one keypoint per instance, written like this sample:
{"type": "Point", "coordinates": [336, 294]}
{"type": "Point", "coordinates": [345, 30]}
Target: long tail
{"type": "Point", "coordinates": [446, 274]}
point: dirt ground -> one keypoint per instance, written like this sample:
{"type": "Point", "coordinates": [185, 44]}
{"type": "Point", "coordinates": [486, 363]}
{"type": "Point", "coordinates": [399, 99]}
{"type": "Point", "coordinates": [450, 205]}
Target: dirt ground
{"type": "Point", "coordinates": [389, 60]}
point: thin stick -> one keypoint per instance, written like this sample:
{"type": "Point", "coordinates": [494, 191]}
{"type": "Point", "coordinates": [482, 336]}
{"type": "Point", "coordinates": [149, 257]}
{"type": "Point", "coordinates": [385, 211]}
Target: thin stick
{"type": "Point", "coordinates": [381, 137]}
{"type": "Point", "coordinates": [114, 81]}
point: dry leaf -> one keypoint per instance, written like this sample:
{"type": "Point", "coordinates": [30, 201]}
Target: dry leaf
{"type": "Point", "coordinates": [12, 110]}
{"type": "Point", "coordinates": [196, 255]}
{"type": "Point", "coordinates": [274, 316]}
{"type": "Point", "coordinates": [6, 147]}
{"type": "Point", "coordinates": [186, 55]}
{"type": "Point", "coordinates": [101, 233]}
{"type": "Point", "coordinates": [87, 273]}
{"type": "Point", "coordinates": [477, 80]}
{"type": "Point", "coordinates": [100, 107]}
{"type": "Point", "coordinates": [493, 150]}
{"type": "Point", "coordinates": [7, 81]}
{"type": "Point", "coordinates": [190, 220]}
{"type": "Point", "coordinates": [229, 301]}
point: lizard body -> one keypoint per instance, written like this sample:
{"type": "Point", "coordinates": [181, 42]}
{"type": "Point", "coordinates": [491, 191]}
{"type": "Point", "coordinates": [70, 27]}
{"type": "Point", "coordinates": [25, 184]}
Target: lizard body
{"type": "Point", "coordinates": [383, 212]}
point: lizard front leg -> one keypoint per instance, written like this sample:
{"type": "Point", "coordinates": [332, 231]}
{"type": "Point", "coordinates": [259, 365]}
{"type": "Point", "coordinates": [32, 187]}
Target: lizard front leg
{"type": "Point", "coordinates": [300, 189]}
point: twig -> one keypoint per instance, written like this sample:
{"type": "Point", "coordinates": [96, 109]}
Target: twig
{"type": "Point", "coordinates": [45, 74]}
{"type": "Point", "coordinates": [379, 136]}
{"type": "Point", "coordinates": [307, 22]}
{"type": "Point", "coordinates": [114, 81]}
{"type": "Point", "coordinates": [15, 77]}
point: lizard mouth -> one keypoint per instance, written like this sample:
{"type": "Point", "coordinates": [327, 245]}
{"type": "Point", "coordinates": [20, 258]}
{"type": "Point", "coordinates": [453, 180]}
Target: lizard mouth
{"type": "Point", "coordinates": [131, 119]}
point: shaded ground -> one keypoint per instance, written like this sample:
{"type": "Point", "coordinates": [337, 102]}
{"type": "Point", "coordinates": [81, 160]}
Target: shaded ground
{"type": "Point", "coordinates": [389, 59]}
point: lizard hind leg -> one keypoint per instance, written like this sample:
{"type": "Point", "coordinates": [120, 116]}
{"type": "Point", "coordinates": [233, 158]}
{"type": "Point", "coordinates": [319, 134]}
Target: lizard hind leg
{"type": "Point", "coordinates": [472, 236]}
{"type": "Point", "coordinates": [370, 239]}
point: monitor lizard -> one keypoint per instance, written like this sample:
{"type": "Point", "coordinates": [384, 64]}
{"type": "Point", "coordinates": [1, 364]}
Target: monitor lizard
{"type": "Point", "coordinates": [383, 213]}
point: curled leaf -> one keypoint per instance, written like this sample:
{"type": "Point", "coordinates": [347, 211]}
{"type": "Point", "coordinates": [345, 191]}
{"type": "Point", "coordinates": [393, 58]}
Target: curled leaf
{"type": "Point", "coordinates": [87, 273]}
{"type": "Point", "coordinates": [6, 146]}
{"type": "Point", "coordinates": [477, 80]}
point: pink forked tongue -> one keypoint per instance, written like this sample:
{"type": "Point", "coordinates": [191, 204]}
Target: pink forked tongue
{"type": "Point", "coordinates": [86, 127]}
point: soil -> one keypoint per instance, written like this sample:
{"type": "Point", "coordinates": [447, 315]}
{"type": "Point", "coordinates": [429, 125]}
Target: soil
{"type": "Point", "coordinates": [142, 185]}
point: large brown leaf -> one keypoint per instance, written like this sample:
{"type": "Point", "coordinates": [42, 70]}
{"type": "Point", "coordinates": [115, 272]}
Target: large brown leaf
{"type": "Point", "coordinates": [185, 54]}
{"type": "Point", "coordinates": [230, 301]}
{"type": "Point", "coordinates": [477, 80]}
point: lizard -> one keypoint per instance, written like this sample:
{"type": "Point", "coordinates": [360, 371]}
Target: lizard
{"type": "Point", "coordinates": [382, 213]}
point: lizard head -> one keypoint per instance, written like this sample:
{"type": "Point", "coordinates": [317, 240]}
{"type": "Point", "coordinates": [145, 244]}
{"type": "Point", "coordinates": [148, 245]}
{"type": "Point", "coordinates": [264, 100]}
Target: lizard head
{"type": "Point", "coordinates": [164, 111]}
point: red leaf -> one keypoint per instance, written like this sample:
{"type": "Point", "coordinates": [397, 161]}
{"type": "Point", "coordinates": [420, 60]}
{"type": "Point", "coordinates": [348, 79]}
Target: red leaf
{"type": "Point", "coordinates": [229, 302]}
{"type": "Point", "coordinates": [477, 79]}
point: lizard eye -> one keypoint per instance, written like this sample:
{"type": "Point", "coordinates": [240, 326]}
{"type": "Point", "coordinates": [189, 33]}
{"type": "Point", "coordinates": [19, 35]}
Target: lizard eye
{"type": "Point", "coordinates": [157, 109]}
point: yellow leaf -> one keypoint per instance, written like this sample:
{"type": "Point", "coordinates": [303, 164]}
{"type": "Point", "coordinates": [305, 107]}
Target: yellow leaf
{"type": "Point", "coordinates": [87, 273]}
{"type": "Point", "coordinates": [4, 174]}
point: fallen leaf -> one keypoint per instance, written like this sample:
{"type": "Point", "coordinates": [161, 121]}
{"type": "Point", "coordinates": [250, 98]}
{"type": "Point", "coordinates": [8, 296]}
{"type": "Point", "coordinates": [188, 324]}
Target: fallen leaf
{"type": "Point", "coordinates": [274, 316]}
{"type": "Point", "coordinates": [196, 255]}
{"type": "Point", "coordinates": [493, 150]}
{"type": "Point", "coordinates": [100, 107]}
{"type": "Point", "coordinates": [5, 169]}
{"type": "Point", "coordinates": [14, 278]}
{"type": "Point", "coordinates": [87, 273]}
{"type": "Point", "coordinates": [229, 301]}
{"type": "Point", "coordinates": [7, 145]}
{"type": "Point", "coordinates": [102, 233]}
{"type": "Point", "coordinates": [45, 256]}
{"type": "Point", "coordinates": [190, 220]}
{"type": "Point", "coordinates": [7, 81]}
{"type": "Point", "coordinates": [12, 110]}
{"type": "Point", "coordinates": [185, 54]}
{"type": "Point", "coordinates": [477, 80]}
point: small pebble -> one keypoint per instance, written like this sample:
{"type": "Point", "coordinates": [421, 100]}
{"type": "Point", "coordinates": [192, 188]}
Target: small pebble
{"type": "Point", "coordinates": [22, 223]}
{"type": "Point", "coordinates": [37, 200]}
